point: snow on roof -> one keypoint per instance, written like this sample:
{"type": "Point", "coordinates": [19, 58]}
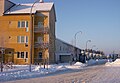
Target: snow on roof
{"type": "Point", "coordinates": [25, 8]}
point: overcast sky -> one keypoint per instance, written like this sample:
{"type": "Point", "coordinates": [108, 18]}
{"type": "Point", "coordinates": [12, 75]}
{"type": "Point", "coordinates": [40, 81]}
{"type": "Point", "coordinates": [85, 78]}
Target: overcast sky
{"type": "Point", "coordinates": [99, 21]}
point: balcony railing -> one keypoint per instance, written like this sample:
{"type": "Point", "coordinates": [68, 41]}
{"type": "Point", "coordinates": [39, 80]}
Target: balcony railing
{"type": "Point", "coordinates": [41, 45]}
{"type": "Point", "coordinates": [41, 29]}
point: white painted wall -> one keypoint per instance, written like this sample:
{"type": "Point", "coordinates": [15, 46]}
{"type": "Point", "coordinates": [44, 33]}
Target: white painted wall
{"type": "Point", "coordinates": [63, 48]}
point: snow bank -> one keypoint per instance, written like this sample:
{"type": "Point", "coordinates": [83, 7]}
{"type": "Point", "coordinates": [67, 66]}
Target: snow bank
{"type": "Point", "coordinates": [79, 64]}
{"type": "Point", "coordinates": [22, 71]}
{"type": "Point", "coordinates": [115, 63]}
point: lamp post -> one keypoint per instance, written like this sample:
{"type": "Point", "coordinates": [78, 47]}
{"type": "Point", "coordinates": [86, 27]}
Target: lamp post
{"type": "Point", "coordinates": [87, 43]}
{"type": "Point", "coordinates": [76, 35]}
{"type": "Point", "coordinates": [86, 47]}
{"type": "Point", "coordinates": [31, 34]}
{"type": "Point", "coordinates": [75, 41]}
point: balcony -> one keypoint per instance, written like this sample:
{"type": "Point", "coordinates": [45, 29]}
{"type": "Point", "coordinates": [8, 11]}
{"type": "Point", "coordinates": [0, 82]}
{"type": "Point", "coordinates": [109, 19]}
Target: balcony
{"type": "Point", "coordinates": [41, 45]}
{"type": "Point", "coordinates": [41, 29]}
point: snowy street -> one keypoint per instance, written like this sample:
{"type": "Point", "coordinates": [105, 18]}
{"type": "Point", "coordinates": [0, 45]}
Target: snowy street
{"type": "Point", "coordinates": [93, 74]}
{"type": "Point", "coordinates": [65, 73]}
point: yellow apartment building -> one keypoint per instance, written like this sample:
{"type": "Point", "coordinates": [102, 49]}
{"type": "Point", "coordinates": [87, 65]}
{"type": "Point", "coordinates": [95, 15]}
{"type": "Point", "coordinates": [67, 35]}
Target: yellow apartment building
{"type": "Point", "coordinates": [29, 30]}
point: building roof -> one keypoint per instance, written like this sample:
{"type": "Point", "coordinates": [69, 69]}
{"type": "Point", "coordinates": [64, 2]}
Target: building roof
{"type": "Point", "coordinates": [67, 43]}
{"type": "Point", "coordinates": [25, 8]}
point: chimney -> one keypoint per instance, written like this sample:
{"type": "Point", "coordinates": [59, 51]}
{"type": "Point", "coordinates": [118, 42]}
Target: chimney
{"type": "Point", "coordinates": [41, 1]}
{"type": "Point", "coordinates": [5, 5]}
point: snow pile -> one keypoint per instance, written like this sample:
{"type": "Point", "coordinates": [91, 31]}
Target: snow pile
{"type": "Point", "coordinates": [61, 67]}
{"type": "Point", "coordinates": [115, 63]}
{"type": "Point", "coordinates": [37, 68]}
{"type": "Point", "coordinates": [22, 71]}
{"type": "Point", "coordinates": [79, 64]}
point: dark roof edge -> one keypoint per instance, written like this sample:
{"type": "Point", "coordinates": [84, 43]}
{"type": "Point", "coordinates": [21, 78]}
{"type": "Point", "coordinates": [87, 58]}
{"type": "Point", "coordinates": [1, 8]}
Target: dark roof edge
{"type": "Point", "coordinates": [9, 8]}
{"type": "Point", "coordinates": [11, 2]}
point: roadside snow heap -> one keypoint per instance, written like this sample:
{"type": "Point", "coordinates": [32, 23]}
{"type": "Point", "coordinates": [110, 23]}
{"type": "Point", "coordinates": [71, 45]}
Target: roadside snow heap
{"type": "Point", "coordinates": [79, 64]}
{"type": "Point", "coordinates": [115, 63]}
{"type": "Point", "coordinates": [22, 71]}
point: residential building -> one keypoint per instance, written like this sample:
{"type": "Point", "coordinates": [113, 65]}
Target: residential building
{"type": "Point", "coordinates": [29, 33]}
{"type": "Point", "coordinates": [66, 52]}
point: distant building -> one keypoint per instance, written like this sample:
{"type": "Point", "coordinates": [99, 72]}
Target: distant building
{"type": "Point", "coordinates": [66, 52]}
{"type": "Point", "coordinates": [17, 34]}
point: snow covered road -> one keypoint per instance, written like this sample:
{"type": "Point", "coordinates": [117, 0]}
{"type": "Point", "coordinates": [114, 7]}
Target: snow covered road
{"type": "Point", "coordinates": [91, 74]}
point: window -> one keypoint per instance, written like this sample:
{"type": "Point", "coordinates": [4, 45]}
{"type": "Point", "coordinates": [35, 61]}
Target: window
{"type": "Point", "coordinates": [18, 39]}
{"type": "Point", "coordinates": [18, 54]}
{"type": "Point", "coordinates": [22, 39]}
{"type": "Point", "coordinates": [19, 24]}
{"type": "Point", "coordinates": [23, 24]}
{"type": "Point", "coordinates": [26, 54]}
{"type": "Point", "coordinates": [22, 54]}
{"type": "Point", "coordinates": [26, 23]}
{"type": "Point", "coordinates": [26, 39]}
{"type": "Point", "coordinates": [26, 26]}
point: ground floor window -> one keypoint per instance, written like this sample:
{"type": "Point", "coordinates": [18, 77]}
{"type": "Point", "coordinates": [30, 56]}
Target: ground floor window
{"type": "Point", "coordinates": [22, 55]}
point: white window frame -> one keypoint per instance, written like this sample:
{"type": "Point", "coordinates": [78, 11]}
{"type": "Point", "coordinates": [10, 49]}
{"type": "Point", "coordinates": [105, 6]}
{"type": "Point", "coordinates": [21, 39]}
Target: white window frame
{"type": "Point", "coordinates": [23, 54]}
{"type": "Point", "coordinates": [26, 39]}
{"type": "Point", "coordinates": [23, 39]}
{"type": "Point", "coordinates": [20, 55]}
{"type": "Point", "coordinates": [27, 29]}
{"type": "Point", "coordinates": [26, 26]}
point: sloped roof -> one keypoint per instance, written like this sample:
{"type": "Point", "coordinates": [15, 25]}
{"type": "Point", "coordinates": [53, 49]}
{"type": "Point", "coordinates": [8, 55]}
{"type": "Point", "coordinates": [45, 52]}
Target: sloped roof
{"type": "Point", "coordinates": [25, 8]}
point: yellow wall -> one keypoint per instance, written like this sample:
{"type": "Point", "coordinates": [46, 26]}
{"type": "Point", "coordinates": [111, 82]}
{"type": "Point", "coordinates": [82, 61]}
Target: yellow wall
{"type": "Point", "coordinates": [9, 25]}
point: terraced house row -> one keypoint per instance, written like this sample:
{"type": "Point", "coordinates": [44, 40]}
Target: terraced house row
{"type": "Point", "coordinates": [27, 29]}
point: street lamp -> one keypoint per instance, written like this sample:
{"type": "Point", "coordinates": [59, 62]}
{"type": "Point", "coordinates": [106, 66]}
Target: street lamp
{"type": "Point", "coordinates": [31, 34]}
{"type": "Point", "coordinates": [76, 35]}
{"type": "Point", "coordinates": [87, 43]}
{"type": "Point", "coordinates": [75, 41]}
{"type": "Point", "coordinates": [86, 48]}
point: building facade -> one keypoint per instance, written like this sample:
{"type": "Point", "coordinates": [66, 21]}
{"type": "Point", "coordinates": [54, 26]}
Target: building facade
{"type": "Point", "coordinates": [29, 30]}
{"type": "Point", "coordinates": [66, 52]}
